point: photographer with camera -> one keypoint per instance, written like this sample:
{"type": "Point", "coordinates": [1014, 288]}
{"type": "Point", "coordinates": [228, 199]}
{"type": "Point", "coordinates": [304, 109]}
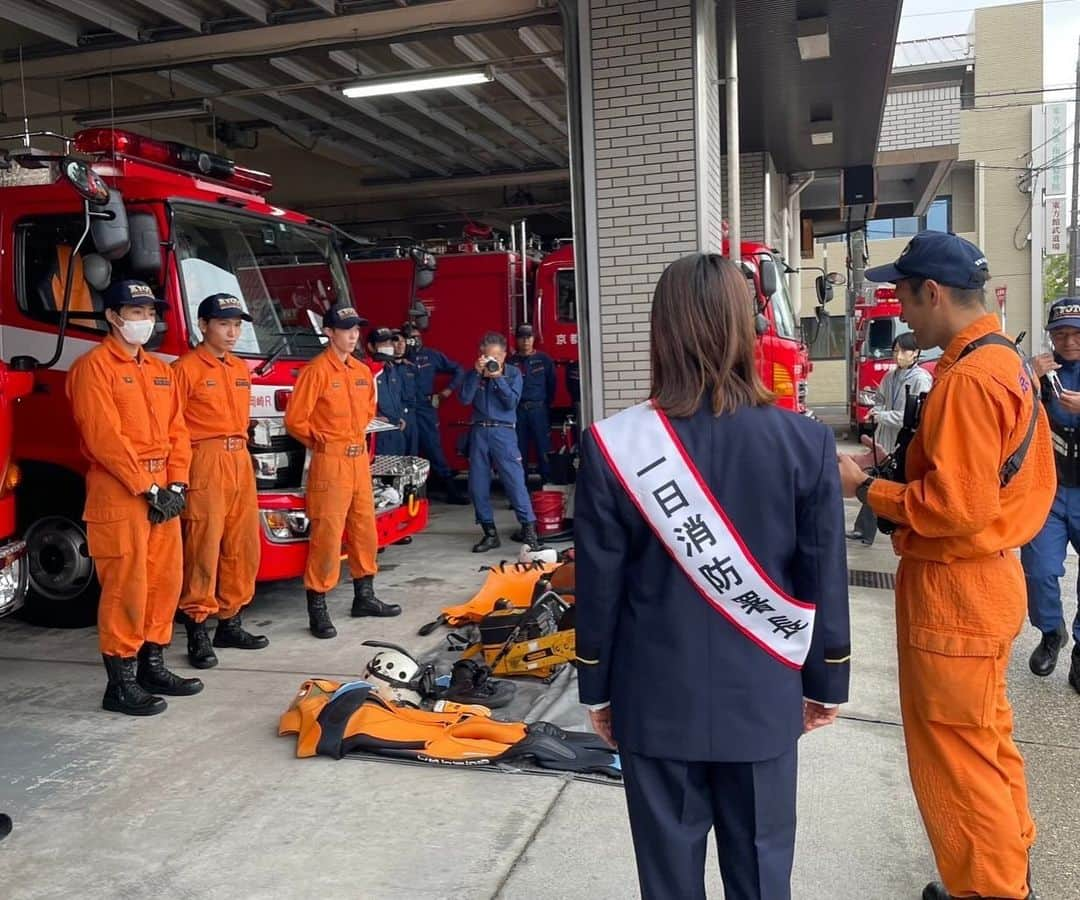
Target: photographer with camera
{"type": "Point", "coordinates": [975, 483]}
{"type": "Point", "coordinates": [908, 379]}
{"type": "Point", "coordinates": [493, 391]}
{"type": "Point", "coordinates": [1044, 558]}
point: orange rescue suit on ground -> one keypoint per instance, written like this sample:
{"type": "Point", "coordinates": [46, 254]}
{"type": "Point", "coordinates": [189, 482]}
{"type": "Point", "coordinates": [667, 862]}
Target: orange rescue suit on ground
{"type": "Point", "coordinates": [960, 603]}
{"type": "Point", "coordinates": [133, 432]}
{"type": "Point", "coordinates": [221, 521]}
{"type": "Point", "coordinates": [328, 412]}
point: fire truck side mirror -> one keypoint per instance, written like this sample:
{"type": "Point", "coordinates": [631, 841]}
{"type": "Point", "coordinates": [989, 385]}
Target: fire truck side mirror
{"type": "Point", "coordinates": [824, 289]}
{"type": "Point", "coordinates": [109, 227]}
{"type": "Point", "coordinates": [87, 183]}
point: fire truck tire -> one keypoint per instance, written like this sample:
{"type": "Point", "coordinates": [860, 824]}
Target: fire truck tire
{"type": "Point", "coordinates": [63, 589]}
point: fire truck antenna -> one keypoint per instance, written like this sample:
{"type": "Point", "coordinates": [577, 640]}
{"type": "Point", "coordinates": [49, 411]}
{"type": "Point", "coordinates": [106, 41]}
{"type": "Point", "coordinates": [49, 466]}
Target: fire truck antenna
{"type": "Point", "coordinates": [26, 117]}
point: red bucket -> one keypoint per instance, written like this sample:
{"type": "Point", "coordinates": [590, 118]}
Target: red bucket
{"type": "Point", "coordinates": [549, 507]}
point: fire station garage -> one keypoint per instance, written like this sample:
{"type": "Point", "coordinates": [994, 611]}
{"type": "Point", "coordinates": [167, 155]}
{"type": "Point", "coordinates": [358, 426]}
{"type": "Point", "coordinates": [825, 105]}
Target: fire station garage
{"type": "Point", "coordinates": [464, 166]}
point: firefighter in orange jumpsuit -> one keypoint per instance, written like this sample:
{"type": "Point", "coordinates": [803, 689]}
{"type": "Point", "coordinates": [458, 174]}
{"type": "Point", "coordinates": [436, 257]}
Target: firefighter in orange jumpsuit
{"type": "Point", "coordinates": [127, 409]}
{"type": "Point", "coordinates": [960, 594]}
{"type": "Point", "coordinates": [328, 412]}
{"type": "Point", "coordinates": [221, 520]}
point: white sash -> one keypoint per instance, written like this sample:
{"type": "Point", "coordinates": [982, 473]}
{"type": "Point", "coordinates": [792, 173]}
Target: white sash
{"type": "Point", "coordinates": [649, 460]}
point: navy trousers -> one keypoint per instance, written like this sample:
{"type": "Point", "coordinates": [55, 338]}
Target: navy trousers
{"type": "Point", "coordinates": [427, 426]}
{"type": "Point", "coordinates": [674, 804]}
{"type": "Point", "coordinates": [497, 448]}
{"type": "Point", "coordinates": [534, 430]}
{"type": "Point", "coordinates": [412, 434]}
{"type": "Point", "coordinates": [390, 443]}
{"type": "Point", "coordinates": [1044, 562]}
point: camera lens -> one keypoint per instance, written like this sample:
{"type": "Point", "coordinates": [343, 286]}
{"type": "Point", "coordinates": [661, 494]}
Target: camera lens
{"type": "Point", "coordinates": [491, 365]}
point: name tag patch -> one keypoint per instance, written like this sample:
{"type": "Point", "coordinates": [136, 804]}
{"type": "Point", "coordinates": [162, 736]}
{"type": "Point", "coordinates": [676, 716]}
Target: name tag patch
{"type": "Point", "coordinates": [162, 382]}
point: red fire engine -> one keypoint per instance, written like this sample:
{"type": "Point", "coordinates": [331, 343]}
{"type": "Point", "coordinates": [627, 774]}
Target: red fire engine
{"type": "Point", "coordinates": [190, 224]}
{"type": "Point", "coordinates": [877, 324]}
{"type": "Point", "coordinates": [13, 385]}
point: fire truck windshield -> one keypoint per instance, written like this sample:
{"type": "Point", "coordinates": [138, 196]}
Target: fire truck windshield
{"type": "Point", "coordinates": [280, 270]}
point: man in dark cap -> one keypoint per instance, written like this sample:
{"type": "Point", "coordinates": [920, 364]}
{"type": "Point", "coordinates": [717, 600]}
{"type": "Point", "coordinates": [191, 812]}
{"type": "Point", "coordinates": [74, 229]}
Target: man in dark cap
{"type": "Point", "coordinates": [329, 412]}
{"type": "Point", "coordinates": [959, 513]}
{"type": "Point", "coordinates": [537, 394]}
{"type": "Point", "coordinates": [1044, 558]}
{"type": "Point", "coordinates": [390, 394]}
{"type": "Point", "coordinates": [128, 413]}
{"type": "Point", "coordinates": [409, 392]}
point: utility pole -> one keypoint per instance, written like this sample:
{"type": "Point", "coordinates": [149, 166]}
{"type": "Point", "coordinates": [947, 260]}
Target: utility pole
{"type": "Point", "coordinates": [1074, 230]}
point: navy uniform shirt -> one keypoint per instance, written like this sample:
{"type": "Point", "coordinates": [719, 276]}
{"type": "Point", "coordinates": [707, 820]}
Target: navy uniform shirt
{"type": "Point", "coordinates": [430, 363]}
{"type": "Point", "coordinates": [538, 371]}
{"type": "Point", "coordinates": [409, 390]}
{"type": "Point", "coordinates": [683, 682]}
{"type": "Point", "coordinates": [573, 380]}
{"type": "Point", "coordinates": [391, 401]}
{"type": "Point", "coordinates": [493, 399]}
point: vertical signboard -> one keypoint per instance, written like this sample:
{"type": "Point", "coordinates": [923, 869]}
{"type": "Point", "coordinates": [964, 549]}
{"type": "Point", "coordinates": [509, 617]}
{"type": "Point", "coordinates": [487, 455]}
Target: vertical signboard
{"type": "Point", "coordinates": [1057, 147]}
{"type": "Point", "coordinates": [1056, 227]}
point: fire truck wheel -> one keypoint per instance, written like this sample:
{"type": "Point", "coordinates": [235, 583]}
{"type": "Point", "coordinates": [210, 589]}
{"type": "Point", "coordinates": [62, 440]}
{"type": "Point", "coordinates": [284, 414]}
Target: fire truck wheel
{"type": "Point", "coordinates": [63, 590]}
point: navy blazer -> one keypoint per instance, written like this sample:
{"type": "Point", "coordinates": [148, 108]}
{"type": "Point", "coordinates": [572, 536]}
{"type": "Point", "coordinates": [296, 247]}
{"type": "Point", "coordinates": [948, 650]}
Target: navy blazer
{"type": "Point", "coordinates": [683, 682]}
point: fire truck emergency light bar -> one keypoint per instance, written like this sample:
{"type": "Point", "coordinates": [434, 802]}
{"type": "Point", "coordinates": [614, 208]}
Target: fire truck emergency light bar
{"type": "Point", "coordinates": [173, 155]}
{"type": "Point", "coordinates": [885, 293]}
{"type": "Point", "coordinates": [420, 83]}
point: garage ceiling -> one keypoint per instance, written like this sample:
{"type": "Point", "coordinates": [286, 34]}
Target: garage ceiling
{"type": "Point", "coordinates": [261, 80]}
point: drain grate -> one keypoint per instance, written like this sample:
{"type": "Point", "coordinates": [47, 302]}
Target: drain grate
{"type": "Point", "coordinates": [864, 578]}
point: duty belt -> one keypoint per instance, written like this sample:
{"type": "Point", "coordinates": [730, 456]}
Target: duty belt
{"type": "Point", "coordinates": [533, 404]}
{"type": "Point", "coordinates": [154, 465]}
{"type": "Point", "coordinates": [1066, 454]}
{"type": "Point", "coordinates": [232, 444]}
{"type": "Point", "coordinates": [493, 425]}
{"type": "Point", "coordinates": [341, 449]}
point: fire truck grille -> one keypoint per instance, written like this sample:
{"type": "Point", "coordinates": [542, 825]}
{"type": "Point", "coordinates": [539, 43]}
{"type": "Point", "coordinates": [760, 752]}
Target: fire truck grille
{"type": "Point", "coordinates": [281, 467]}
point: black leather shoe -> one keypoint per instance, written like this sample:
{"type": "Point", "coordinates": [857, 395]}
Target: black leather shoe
{"type": "Point", "coordinates": [935, 890]}
{"type": "Point", "coordinates": [365, 603]}
{"type": "Point", "coordinates": [200, 654]}
{"type": "Point", "coordinates": [1074, 668]}
{"type": "Point", "coordinates": [1044, 658]}
{"type": "Point", "coordinates": [124, 694]}
{"type": "Point", "coordinates": [153, 676]}
{"type": "Point", "coordinates": [230, 633]}
{"type": "Point", "coordinates": [857, 536]}
{"type": "Point", "coordinates": [318, 616]}
{"type": "Point", "coordinates": [489, 541]}
{"type": "Point", "coordinates": [404, 541]}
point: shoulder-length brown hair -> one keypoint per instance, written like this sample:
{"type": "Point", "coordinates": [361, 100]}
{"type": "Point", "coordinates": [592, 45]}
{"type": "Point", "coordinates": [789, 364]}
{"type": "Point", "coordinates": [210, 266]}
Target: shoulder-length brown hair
{"type": "Point", "coordinates": [703, 340]}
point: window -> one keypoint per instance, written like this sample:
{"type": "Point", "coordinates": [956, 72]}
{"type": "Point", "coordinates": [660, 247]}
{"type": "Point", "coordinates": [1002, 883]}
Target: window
{"type": "Point", "coordinates": [43, 249]}
{"type": "Point", "coordinates": [566, 309]}
{"type": "Point", "coordinates": [938, 218]}
{"type": "Point", "coordinates": [826, 337]}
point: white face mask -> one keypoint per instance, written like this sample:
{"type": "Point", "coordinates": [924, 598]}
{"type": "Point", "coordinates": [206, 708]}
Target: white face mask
{"type": "Point", "coordinates": [137, 332]}
{"type": "Point", "coordinates": [385, 350]}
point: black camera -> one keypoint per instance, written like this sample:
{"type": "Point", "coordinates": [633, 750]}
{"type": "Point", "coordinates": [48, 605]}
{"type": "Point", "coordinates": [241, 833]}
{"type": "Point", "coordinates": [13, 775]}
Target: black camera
{"type": "Point", "coordinates": [492, 365]}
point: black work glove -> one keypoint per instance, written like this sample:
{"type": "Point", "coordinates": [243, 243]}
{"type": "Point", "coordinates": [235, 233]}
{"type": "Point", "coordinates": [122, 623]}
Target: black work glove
{"type": "Point", "coordinates": [180, 489]}
{"type": "Point", "coordinates": [165, 504]}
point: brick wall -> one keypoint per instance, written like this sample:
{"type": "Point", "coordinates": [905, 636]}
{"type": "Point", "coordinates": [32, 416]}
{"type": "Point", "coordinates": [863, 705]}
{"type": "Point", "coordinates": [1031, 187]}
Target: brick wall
{"type": "Point", "coordinates": [921, 117]}
{"type": "Point", "coordinates": [643, 108]}
{"type": "Point", "coordinates": [753, 171]}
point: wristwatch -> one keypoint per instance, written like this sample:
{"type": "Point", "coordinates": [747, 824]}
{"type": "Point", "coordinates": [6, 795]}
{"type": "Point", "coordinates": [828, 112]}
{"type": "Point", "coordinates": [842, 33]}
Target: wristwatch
{"type": "Point", "coordinates": [861, 490]}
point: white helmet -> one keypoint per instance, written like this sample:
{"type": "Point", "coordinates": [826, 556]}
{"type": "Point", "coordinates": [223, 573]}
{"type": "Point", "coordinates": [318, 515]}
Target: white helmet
{"type": "Point", "coordinates": [547, 555]}
{"type": "Point", "coordinates": [398, 677]}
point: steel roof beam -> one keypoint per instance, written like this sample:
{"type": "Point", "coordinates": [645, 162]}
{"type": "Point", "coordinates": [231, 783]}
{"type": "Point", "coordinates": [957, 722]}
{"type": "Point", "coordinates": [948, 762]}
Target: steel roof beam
{"type": "Point", "coordinates": [362, 65]}
{"type": "Point", "coordinates": [234, 73]}
{"type": "Point", "coordinates": [472, 49]}
{"type": "Point", "coordinates": [302, 73]}
{"type": "Point", "coordinates": [414, 59]}
{"type": "Point", "coordinates": [329, 6]}
{"type": "Point", "coordinates": [34, 17]}
{"type": "Point", "coordinates": [101, 14]}
{"type": "Point", "coordinates": [531, 38]}
{"type": "Point", "coordinates": [175, 11]}
{"type": "Point", "coordinates": [254, 9]}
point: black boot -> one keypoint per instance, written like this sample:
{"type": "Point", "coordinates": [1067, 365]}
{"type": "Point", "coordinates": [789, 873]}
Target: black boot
{"type": "Point", "coordinates": [530, 538]}
{"type": "Point", "coordinates": [200, 654]}
{"type": "Point", "coordinates": [365, 603]}
{"type": "Point", "coordinates": [123, 694]}
{"type": "Point", "coordinates": [5, 825]}
{"type": "Point", "coordinates": [1074, 668]}
{"type": "Point", "coordinates": [230, 633]}
{"type": "Point", "coordinates": [935, 890]}
{"type": "Point", "coordinates": [454, 494]}
{"type": "Point", "coordinates": [153, 676]}
{"type": "Point", "coordinates": [318, 616]}
{"type": "Point", "coordinates": [489, 541]}
{"type": "Point", "coordinates": [470, 682]}
{"type": "Point", "coordinates": [1044, 658]}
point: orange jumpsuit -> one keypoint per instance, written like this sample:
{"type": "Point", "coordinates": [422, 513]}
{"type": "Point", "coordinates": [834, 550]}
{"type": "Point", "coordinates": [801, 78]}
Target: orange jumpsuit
{"type": "Point", "coordinates": [960, 603]}
{"type": "Point", "coordinates": [328, 412]}
{"type": "Point", "coordinates": [133, 432]}
{"type": "Point", "coordinates": [221, 521]}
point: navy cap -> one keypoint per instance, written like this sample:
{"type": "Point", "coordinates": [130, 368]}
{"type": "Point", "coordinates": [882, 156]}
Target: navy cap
{"type": "Point", "coordinates": [523, 331]}
{"type": "Point", "coordinates": [1064, 313]}
{"type": "Point", "coordinates": [131, 293]}
{"type": "Point", "coordinates": [380, 336]}
{"type": "Point", "coordinates": [223, 306]}
{"type": "Point", "coordinates": [945, 258]}
{"type": "Point", "coordinates": [343, 318]}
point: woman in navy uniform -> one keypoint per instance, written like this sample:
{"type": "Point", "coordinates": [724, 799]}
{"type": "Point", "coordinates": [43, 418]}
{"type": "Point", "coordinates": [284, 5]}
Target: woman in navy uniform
{"type": "Point", "coordinates": [712, 604]}
{"type": "Point", "coordinates": [390, 394]}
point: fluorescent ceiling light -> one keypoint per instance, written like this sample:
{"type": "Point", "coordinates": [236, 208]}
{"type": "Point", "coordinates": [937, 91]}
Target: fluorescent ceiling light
{"type": "Point", "coordinates": [819, 138]}
{"type": "Point", "coordinates": [103, 118]}
{"type": "Point", "coordinates": [813, 38]}
{"type": "Point", "coordinates": [419, 83]}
